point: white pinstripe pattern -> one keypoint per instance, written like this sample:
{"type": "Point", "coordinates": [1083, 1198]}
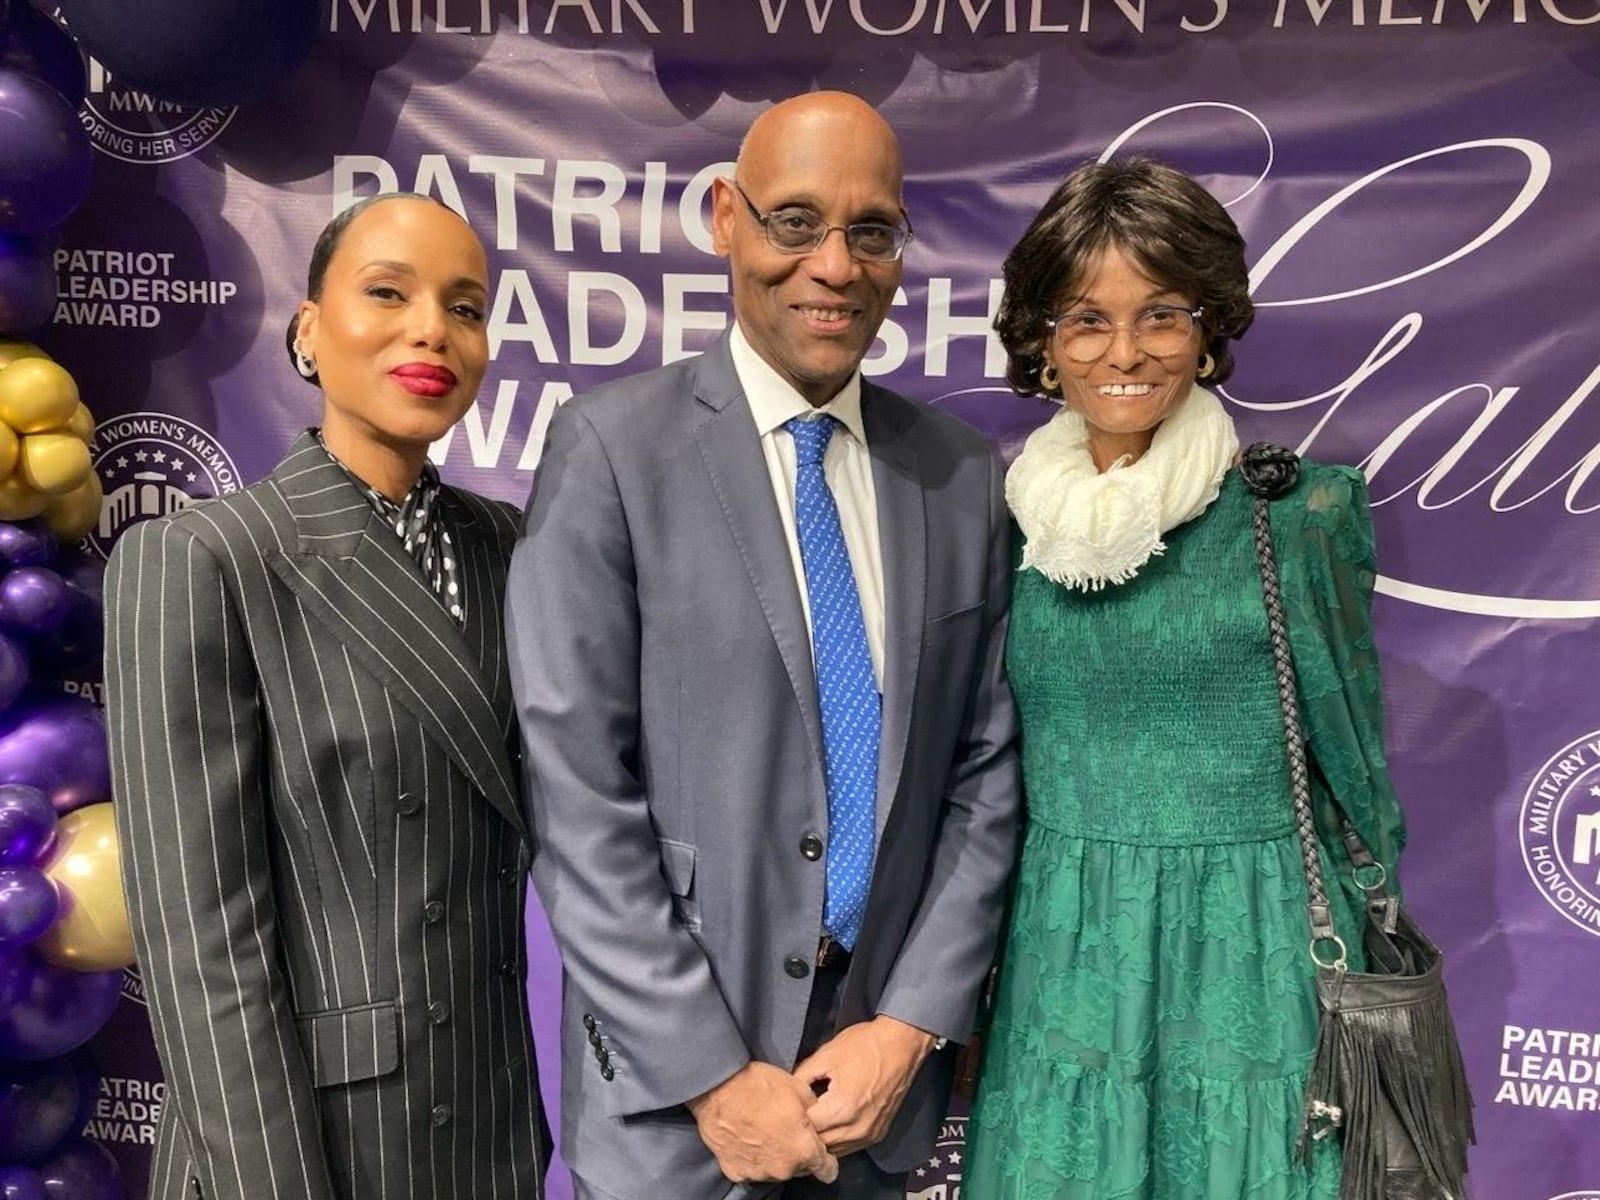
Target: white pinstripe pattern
{"type": "Point", "coordinates": [322, 847]}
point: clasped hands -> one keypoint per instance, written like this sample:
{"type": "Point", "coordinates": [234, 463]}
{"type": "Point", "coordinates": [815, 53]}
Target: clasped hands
{"type": "Point", "coordinates": [764, 1123]}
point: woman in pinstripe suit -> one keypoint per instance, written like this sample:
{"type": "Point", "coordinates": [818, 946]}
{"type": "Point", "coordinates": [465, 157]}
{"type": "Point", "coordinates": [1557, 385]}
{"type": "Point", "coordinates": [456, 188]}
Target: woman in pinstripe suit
{"type": "Point", "coordinates": [310, 724]}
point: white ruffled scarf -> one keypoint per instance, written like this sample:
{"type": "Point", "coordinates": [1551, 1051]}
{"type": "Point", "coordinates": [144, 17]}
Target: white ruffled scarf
{"type": "Point", "coordinates": [1087, 528]}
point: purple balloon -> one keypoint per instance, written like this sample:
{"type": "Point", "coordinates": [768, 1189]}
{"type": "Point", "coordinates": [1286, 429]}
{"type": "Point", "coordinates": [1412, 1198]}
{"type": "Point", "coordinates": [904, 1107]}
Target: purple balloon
{"type": "Point", "coordinates": [61, 1011]}
{"type": "Point", "coordinates": [22, 1183]}
{"type": "Point", "coordinates": [40, 1105]}
{"type": "Point", "coordinates": [45, 169]}
{"type": "Point", "coordinates": [41, 48]}
{"type": "Point", "coordinates": [58, 745]}
{"type": "Point", "coordinates": [16, 970]}
{"type": "Point", "coordinates": [27, 824]}
{"type": "Point", "coordinates": [81, 1170]}
{"type": "Point", "coordinates": [27, 281]}
{"type": "Point", "coordinates": [33, 600]}
{"type": "Point", "coordinates": [28, 904]}
{"type": "Point", "coordinates": [27, 543]}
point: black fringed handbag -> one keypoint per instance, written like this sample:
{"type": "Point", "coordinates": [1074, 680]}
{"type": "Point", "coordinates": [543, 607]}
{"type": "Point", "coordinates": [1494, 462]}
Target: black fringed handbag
{"type": "Point", "coordinates": [1387, 1076]}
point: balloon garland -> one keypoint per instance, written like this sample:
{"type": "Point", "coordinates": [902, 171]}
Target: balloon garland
{"type": "Point", "coordinates": [64, 935]}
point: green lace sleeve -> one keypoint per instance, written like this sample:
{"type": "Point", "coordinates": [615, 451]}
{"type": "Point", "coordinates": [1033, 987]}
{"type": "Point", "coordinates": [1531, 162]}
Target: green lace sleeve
{"type": "Point", "coordinates": [1324, 538]}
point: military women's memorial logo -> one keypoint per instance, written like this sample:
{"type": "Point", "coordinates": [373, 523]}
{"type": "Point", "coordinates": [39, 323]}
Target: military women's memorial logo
{"type": "Point", "coordinates": [137, 127]}
{"type": "Point", "coordinates": [153, 464]}
{"type": "Point", "coordinates": [1560, 831]}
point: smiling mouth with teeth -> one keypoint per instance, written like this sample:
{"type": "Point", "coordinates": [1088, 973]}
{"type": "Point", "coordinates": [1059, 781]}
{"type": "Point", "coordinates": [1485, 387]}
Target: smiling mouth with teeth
{"type": "Point", "coordinates": [1126, 389]}
{"type": "Point", "coordinates": [825, 314]}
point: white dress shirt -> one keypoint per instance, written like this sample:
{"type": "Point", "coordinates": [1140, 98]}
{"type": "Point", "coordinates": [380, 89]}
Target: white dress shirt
{"type": "Point", "coordinates": [847, 467]}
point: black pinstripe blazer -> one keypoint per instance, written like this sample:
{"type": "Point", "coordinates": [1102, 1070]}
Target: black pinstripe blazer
{"type": "Point", "coordinates": [323, 853]}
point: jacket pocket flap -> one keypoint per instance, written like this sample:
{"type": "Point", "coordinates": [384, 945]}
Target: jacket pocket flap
{"type": "Point", "coordinates": [952, 624]}
{"type": "Point", "coordinates": [677, 865]}
{"type": "Point", "coordinates": [344, 1045]}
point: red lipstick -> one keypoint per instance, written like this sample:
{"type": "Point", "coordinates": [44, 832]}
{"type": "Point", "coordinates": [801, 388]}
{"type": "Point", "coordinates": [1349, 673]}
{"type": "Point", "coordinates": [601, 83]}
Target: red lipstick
{"type": "Point", "coordinates": [424, 379]}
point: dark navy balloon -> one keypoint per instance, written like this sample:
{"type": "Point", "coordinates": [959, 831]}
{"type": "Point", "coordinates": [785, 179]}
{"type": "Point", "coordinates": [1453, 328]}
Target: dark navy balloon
{"type": "Point", "coordinates": [47, 163]}
{"type": "Point", "coordinates": [81, 1170]}
{"type": "Point", "coordinates": [27, 281]}
{"type": "Point", "coordinates": [15, 671]}
{"type": "Point", "coordinates": [222, 52]}
{"type": "Point", "coordinates": [39, 47]}
{"type": "Point", "coordinates": [40, 1105]}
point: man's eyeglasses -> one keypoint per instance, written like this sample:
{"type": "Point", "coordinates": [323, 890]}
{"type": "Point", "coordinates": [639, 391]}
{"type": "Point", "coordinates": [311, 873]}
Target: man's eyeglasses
{"type": "Point", "coordinates": [800, 231]}
{"type": "Point", "coordinates": [1160, 332]}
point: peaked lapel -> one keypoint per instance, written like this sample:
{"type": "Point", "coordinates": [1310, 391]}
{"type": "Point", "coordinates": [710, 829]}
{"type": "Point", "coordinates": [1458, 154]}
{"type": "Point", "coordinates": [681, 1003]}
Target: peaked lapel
{"type": "Point", "coordinates": [731, 451]}
{"type": "Point", "coordinates": [356, 579]}
{"type": "Point", "coordinates": [902, 536]}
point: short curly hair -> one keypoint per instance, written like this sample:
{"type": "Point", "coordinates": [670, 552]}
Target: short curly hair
{"type": "Point", "coordinates": [1166, 222]}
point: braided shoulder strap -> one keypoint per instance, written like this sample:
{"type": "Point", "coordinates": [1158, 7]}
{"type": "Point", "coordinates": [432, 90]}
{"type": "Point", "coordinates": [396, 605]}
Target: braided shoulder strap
{"type": "Point", "coordinates": [1271, 471]}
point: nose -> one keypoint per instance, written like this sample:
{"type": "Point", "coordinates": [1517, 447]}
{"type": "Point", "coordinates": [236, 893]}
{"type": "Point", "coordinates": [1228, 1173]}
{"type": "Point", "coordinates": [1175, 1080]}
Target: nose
{"type": "Point", "coordinates": [830, 263]}
{"type": "Point", "coordinates": [427, 323]}
{"type": "Point", "coordinates": [1124, 352]}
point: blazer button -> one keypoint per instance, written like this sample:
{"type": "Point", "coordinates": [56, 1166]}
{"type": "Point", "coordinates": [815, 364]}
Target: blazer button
{"type": "Point", "coordinates": [602, 1055]}
{"type": "Point", "coordinates": [811, 846]}
{"type": "Point", "coordinates": [439, 1012]}
{"type": "Point", "coordinates": [508, 968]}
{"type": "Point", "coordinates": [410, 804]}
{"type": "Point", "coordinates": [433, 912]}
{"type": "Point", "coordinates": [508, 876]}
{"type": "Point", "coordinates": [594, 1038]}
{"type": "Point", "coordinates": [606, 1072]}
{"type": "Point", "coordinates": [588, 1022]}
{"type": "Point", "coordinates": [441, 1115]}
{"type": "Point", "coordinates": [798, 968]}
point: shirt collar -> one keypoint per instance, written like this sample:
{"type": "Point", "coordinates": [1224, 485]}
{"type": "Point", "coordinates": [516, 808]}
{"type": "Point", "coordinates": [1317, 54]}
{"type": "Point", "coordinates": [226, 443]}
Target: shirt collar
{"type": "Point", "coordinates": [773, 400]}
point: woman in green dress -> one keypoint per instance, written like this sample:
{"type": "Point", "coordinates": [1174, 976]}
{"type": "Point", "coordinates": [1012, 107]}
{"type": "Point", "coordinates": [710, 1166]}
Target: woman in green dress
{"type": "Point", "coordinates": [1154, 1019]}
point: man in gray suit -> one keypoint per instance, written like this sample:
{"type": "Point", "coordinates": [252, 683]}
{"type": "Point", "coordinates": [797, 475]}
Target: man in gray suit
{"type": "Point", "coordinates": [756, 627]}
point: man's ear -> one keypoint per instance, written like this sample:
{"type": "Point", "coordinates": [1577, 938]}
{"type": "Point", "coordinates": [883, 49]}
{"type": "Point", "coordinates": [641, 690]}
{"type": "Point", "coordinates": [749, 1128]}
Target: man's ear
{"type": "Point", "coordinates": [724, 211]}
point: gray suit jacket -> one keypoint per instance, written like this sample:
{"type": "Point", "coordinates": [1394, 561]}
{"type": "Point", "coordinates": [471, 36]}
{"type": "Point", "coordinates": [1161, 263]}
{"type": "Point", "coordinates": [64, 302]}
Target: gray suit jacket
{"type": "Point", "coordinates": [322, 848]}
{"type": "Point", "coordinates": [673, 749]}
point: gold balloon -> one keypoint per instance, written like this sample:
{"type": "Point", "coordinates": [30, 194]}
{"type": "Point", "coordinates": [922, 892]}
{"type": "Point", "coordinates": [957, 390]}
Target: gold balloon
{"type": "Point", "coordinates": [11, 350]}
{"type": "Point", "coordinates": [73, 515]}
{"type": "Point", "coordinates": [35, 395]}
{"type": "Point", "coordinates": [92, 932]}
{"type": "Point", "coordinates": [81, 423]}
{"type": "Point", "coordinates": [9, 449]}
{"type": "Point", "coordinates": [18, 501]}
{"type": "Point", "coordinates": [53, 463]}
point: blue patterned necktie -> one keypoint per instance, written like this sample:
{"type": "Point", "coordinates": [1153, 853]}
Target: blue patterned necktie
{"type": "Point", "coordinates": [847, 694]}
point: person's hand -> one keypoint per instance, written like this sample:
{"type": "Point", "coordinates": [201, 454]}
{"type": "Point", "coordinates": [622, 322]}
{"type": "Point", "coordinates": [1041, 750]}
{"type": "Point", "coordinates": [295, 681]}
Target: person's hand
{"type": "Point", "coordinates": [863, 1073]}
{"type": "Point", "coordinates": [755, 1123]}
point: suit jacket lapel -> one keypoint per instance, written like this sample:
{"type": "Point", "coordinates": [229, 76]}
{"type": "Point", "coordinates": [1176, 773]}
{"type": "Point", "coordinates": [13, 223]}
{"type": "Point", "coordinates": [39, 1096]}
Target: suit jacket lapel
{"type": "Point", "coordinates": [731, 451]}
{"type": "Point", "coordinates": [483, 583]}
{"type": "Point", "coordinates": [359, 583]}
{"type": "Point", "coordinates": [902, 534]}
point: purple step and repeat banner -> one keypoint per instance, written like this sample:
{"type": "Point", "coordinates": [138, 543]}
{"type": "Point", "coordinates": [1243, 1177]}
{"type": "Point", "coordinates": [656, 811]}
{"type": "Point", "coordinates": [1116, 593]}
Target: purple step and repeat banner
{"type": "Point", "coordinates": [1417, 181]}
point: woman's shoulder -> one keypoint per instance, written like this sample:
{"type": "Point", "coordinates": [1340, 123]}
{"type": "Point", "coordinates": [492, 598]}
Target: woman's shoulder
{"type": "Point", "coordinates": [504, 518]}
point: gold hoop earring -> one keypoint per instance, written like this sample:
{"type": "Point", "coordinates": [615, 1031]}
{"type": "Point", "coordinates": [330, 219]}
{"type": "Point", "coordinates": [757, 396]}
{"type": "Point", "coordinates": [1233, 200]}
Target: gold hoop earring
{"type": "Point", "coordinates": [1049, 379]}
{"type": "Point", "coordinates": [1208, 367]}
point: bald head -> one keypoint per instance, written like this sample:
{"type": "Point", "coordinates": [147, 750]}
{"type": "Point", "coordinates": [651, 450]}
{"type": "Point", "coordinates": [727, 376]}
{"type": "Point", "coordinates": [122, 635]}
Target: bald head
{"type": "Point", "coordinates": [821, 123]}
